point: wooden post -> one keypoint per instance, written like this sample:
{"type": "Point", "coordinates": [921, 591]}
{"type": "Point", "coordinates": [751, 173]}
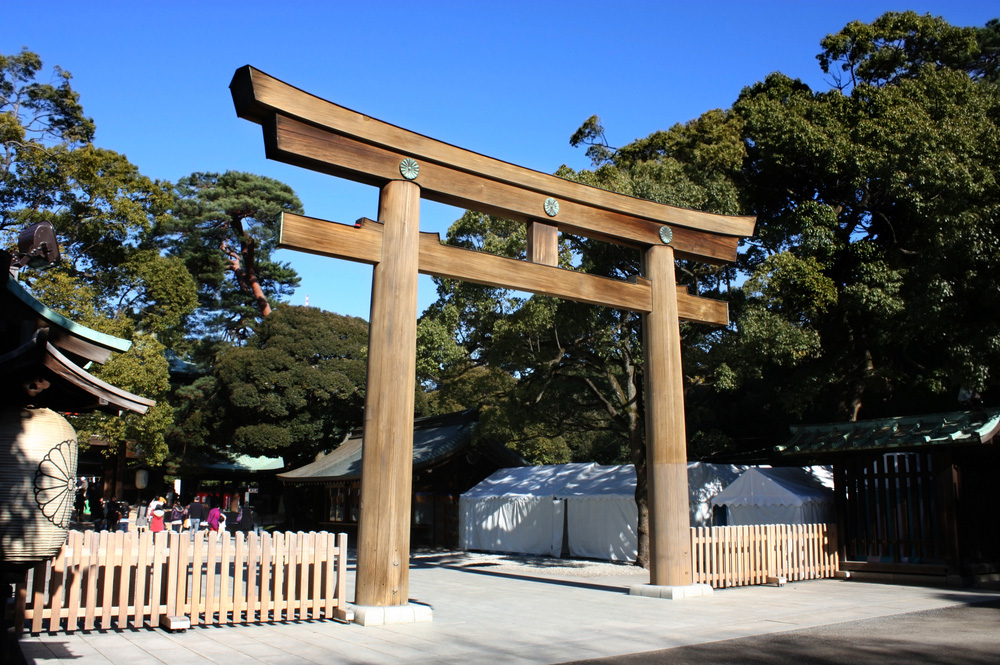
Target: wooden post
{"type": "Point", "coordinates": [543, 243]}
{"type": "Point", "coordinates": [666, 447]}
{"type": "Point", "coordinates": [947, 498]}
{"type": "Point", "coordinates": [387, 458]}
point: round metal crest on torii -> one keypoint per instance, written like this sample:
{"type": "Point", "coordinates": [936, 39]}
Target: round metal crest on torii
{"type": "Point", "coordinates": [304, 130]}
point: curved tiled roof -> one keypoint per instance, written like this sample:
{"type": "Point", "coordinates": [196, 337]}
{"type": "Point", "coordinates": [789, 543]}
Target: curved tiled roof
{"type": "Point", "coordinates": [44, 357]}
{"type": "Point", "coordinates": [434, 439]}
{"type": "Point", "coordinates": [909, 432]}
{"type": "Point", "coordinates": [105, 343]}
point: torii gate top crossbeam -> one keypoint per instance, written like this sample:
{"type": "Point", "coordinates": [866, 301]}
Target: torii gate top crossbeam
{"type": "Point", "coordinates": [305, 130]}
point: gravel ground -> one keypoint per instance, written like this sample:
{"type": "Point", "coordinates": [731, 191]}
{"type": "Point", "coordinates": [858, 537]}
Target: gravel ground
{"type": "Point", "coordinates": [534, 565]}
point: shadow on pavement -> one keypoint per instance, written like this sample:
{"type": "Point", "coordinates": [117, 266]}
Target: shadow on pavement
{"type": "Point", "coordinates": [475, 569]}
{"type": "Point", "coordinates": [964, 635]}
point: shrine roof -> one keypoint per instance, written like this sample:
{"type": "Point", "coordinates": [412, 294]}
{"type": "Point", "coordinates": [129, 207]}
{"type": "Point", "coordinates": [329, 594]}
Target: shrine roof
{"type": "Point", "coordinates": [44, 358]}
{"type": "Point", "coordinates": [60, 383]}
{"type": "Point", "coordinates": [434, 439]}
{"type": "Point", "coordinates": [106, 342]}
{"type": "Point", "coordinates": [247, 463]}
{"type": "Point", "coordinates": [961, 428]}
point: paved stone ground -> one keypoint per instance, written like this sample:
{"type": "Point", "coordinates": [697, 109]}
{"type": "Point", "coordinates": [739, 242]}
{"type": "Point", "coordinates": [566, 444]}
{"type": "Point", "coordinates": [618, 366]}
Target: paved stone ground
{"type": "Point", "coordinates": [960, 635]}
{"type": "Point", "coordinates": [519, 614]}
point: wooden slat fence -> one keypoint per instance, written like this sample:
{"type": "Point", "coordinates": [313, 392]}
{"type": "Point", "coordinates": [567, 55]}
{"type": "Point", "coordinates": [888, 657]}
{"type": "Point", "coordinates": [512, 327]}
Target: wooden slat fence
{"type": "Point", "coordinates": [730, 556]}
{"type": "Point", "coordinates": [117, 580]}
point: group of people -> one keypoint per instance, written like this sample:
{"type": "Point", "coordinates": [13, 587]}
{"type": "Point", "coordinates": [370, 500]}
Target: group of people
{"type": "Point", "coordinates": [196, 517]}
{"type": "Point", "coordinates": [89, 502]}
{"type": "Point", "coordinates": [112, 515]}
{"type": "Point", "coordinates": [157, 515]}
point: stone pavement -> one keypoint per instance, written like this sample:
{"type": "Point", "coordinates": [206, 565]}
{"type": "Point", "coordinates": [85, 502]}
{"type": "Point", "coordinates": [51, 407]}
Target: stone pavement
{"type": "Point", "coordinates": [505, 617]}
{"type": "Point", "coordinates": [958, 635]}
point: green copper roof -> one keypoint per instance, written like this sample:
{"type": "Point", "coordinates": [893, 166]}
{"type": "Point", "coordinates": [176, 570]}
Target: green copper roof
{"type": "Point", "coordinates": [56, 319]}
{"type": "Point", "coordinates": [433, 438]}
{"type": "Point", "coordinates": [941, 429]}
{"type": "Point", "coordinates": [248, 463]}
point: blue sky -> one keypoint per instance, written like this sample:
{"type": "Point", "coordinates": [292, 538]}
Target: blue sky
{"type": "Point", "coordinates": [512, 80]}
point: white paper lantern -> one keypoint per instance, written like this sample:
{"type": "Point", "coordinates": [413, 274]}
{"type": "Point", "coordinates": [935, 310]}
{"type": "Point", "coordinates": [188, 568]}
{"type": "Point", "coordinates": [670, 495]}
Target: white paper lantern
{"type": "Point", "coordinates": [38, 457]}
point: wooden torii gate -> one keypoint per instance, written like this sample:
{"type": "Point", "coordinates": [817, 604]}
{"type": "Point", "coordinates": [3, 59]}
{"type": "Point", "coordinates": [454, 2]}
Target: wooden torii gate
{"type": "Point", "coordinates": [313, 133]}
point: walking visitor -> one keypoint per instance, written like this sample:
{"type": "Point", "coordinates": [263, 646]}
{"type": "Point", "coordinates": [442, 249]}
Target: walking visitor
{"type": "Point", "coordinates": [196, 513]}
{"type": "Point", "coordinates": [177, 513]}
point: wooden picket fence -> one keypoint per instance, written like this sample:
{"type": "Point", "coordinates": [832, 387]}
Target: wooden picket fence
{"type": "Point", "coordinates": [116, 580]}
{"type": "Point", "coordinates": [730, 556]}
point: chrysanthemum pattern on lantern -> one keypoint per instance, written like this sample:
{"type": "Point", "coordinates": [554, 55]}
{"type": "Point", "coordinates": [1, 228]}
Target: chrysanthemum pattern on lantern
{"type": "Point", "coordinates": [55, 484]}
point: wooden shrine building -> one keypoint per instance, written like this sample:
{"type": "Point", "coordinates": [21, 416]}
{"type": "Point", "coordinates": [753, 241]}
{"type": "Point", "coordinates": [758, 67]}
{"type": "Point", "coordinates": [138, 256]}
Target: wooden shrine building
{"type": "Point", "coordinates": [914, 495]}
{"type": "Point", "coordinates": [445, 464]}
{"type": "Point", "coordinates": [44, 355]}
{"type": "Point", "coordinates": [44, 358]}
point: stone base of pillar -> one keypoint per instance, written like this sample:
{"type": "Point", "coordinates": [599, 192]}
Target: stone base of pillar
{"type": "Point", "coordinates": [670, 592]}
{"type": "Point", "coordinates": [370, 615]}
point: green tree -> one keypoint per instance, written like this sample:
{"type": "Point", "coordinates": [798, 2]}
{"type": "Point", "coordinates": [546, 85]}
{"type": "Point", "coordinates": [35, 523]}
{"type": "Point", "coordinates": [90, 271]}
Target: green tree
{"type": "Point", "coordinates": [295, 388]}
{"type": "Point", "coordinates": [225, 230]}
{"type": "Point", "coordinates": [101, 207]}
{"type": "Point", "coordinates": [143, 371]}
{"type": "Point", "coordinates": [103, 210]}
{"type": "Point", "coordinates": [875, 263]}
{"type": "Point", "coordinates": [35, 117]}
{"type": "Point", "coordinates": [900, 45]}
{"type": "Point", "coordinates": [868, 284]}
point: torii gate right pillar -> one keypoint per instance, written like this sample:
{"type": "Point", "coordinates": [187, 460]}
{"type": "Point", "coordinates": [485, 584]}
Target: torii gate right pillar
{"type": "Point", "coordinates": [666, 447]}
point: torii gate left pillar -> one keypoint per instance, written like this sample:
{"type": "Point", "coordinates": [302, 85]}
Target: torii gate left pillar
{"type": "Point", "coordinates": [387, 460]}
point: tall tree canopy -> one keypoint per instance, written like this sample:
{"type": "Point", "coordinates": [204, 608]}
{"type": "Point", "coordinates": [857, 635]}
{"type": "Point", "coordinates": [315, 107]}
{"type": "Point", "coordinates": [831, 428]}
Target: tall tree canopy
{"type": "Point", "coordinates": [295, 388]}
{"type": "Point", "coordinates": [103, 210]}
{"type": "Point", "coordinates": [901, 45]}
{"type": "Point", "coordinates": [867, 288]}
{"type": "Point", "coordinates": [225, 230]}
{"type": "Point", "coordinates": [874, 269]}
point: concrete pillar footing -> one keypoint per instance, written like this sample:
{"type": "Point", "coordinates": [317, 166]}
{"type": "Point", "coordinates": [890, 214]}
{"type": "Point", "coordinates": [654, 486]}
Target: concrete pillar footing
{"type": "Point", "coordinates": [672, 592]}
{"type": "Point", "coordinates": [370, 615]}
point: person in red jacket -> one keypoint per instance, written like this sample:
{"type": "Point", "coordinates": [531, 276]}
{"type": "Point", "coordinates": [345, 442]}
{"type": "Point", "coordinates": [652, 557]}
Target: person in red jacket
{"type": "Point", "coordinates": [156, 517]}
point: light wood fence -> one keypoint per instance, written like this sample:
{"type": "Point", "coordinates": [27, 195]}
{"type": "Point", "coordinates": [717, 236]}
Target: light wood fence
{"type": "Point", "coordinates": [116, 580]}
{"type": "Point", "coordinates": [731, 556]}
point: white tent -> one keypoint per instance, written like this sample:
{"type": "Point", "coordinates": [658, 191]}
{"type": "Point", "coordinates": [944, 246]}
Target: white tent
{"type": "Point", "coordinates": [514, 510]}
{"type": "Point", "coordinates": [601, 515]}
{"type": "Point", "coordinates": [783, 495]}
{"type": "Point", "coordinates": [531, 510]}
